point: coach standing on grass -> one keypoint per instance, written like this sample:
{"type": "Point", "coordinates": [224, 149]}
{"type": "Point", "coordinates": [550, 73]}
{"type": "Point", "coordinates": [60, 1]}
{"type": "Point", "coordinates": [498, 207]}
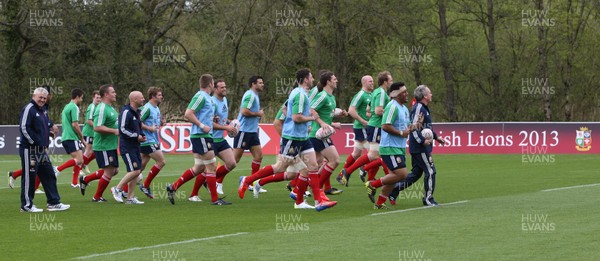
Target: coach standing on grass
{"type": "Point", "coordinates": [35, 136]}
{"type": "Point", "coordinates": [420, 149]}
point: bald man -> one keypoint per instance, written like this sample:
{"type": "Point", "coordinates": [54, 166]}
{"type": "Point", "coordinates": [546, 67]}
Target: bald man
{"type": "Point", "coordinates": [131, 135]}
{"type": "Point", "coordinates": [358, 111]}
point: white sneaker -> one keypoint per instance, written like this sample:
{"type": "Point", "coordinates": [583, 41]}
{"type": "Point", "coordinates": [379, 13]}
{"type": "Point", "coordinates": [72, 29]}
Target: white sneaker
{"type": "Point", "coordinates": [11, 182]}
{"type": "Point", "coordinates": [220, 188]}
{"type": "Point", "coordinates": [39, 191]}
{"type": "Point", "coordinates": [58, 207]}
{"type": "Point", "coordinates": [75, 186]}
{"type": "Point", "coordinates": [116, 192]}
{"type": "Point", "coordinates": [33, 209]}
{"type": "Point", "coordinates": [195, 199]}
{"type": "Point", "coordinates": [251, 188]}
{"type": "Point", "coordinates": [307, 194]}
{"type": "Point", "coordinates": [134, 201]}
{"type": "Point", "coordinates": [303, 205]}
{"type": "Point", "coordinates": [56, 172]}
{"type": "Point", "coordinates": [256, 190]}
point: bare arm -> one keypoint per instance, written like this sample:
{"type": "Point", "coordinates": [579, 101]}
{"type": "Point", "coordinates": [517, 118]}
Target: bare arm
{"type": "Point", "coordinates": [278, 125]}
{"type": "Point", "coordinates": [77, 130]}
{"type": "Point", "coordinates": [149, 128]}
{"type": "Point", "coordinates": [379, 110]}
{"type": "Point", "coordinates": [190, 116]}
{"type": "Point", "coordinates": [299, 118]}
{"type": "Point", "coordinates": [354, 114]}
{"type": "Point", "coordinates": [391, 130]}
{"type": "Point", "coordinates": [248, 113]}
{"type": "Point", "coordinates": [106, 130]}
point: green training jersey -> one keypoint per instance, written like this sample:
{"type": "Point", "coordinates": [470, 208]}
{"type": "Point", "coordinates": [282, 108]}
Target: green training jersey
{"type": "Point", "coordinates": [105, 115]}
{"type": "Point", "coordinates": [69, 115]}
{"type": "Point", "coordinates": [312, 93]}
{"type": "Point", "coordinates": [324, 104]}
{"type": "Point", "coordinates": [360, 101]}
{"type": "Point", "coordinates": [89, 115]}
{"type": "Point", "coordinates": [280, 116]}
{"type": "Point", "coordinates": [379, 98]}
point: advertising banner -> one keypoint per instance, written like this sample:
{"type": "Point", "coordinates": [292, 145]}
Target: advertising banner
{"type": "Point", "coordinates": [461, 138]}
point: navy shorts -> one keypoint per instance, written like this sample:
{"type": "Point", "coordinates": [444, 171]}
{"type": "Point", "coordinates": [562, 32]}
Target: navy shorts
{"type": "Point", "coordinates": [132, 159]}
{"type": "Point", "coordinates": [72, 145]}
{"type": "Point", "coordinates": [149, 149]}
{"type": "Point", "coordinates": [373, 134]}
{"type": "Point", "coordinates": [320, 145]}
{"type": "Point", "coordinates": [246, 140]}
{"type": "Point", "coordinates": [202, 145]}
{"type": "Point", "coordinates": [360, 134]}
{"type": "Point", "coordinates": [88, 139]}
{"type": "Point", "coordinates": [106, 158]}
{"type": "Point", "coordinates": [292, 148]}
{"type": "Point", "coordinates": [394, 162]}
{"type": "Point", "coordinates": [220, 146]}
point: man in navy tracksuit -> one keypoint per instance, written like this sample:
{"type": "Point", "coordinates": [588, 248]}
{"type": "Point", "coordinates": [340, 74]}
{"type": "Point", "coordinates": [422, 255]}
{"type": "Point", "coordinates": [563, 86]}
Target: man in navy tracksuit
{"type": "Point", "coordinates": [35, 135]}
{"type": "Point", "coordinates": [420, 149]}
{"type": "Point", "coordinates": [130, 135]}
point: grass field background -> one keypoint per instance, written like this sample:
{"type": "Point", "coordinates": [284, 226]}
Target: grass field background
{"type": "Point", "coordinates": [494, 208]}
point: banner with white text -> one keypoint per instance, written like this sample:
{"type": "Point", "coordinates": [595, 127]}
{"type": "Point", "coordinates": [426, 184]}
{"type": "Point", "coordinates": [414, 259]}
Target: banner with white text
{"type": "Point", "coordinates": [461, 138]}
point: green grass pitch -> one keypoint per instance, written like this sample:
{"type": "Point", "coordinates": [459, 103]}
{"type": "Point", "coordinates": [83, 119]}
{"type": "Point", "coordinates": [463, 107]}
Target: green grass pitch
{"type": "Point", "coordinates": [495, 207]}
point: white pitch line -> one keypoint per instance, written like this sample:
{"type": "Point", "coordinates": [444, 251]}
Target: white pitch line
{"type": "Point", "coordinates": [424, 207]}
{"type": "Point", "coordinates": [162, 245]}
{"type": "Point", "coordinates": [572, 187]}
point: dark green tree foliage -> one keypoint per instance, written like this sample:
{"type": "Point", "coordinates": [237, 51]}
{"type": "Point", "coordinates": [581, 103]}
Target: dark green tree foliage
{"type": "Point", "coordinates": [484, 60]}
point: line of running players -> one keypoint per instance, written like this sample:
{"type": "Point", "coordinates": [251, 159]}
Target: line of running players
{"type": "Point", "coordinates": [304, 121]}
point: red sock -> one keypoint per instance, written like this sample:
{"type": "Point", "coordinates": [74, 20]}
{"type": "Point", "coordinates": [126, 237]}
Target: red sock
{"type": "Point", "coordinates": [302, 185]}
{"type": "Point", "coordinates": [324, 176]}
{"type": "Point", "coordinates": [294, 181]}
{"type": "Point", "coordinates": [385, 168]}
{"type": "Point", "coordinates": [349, 161]}
{"type": "Point", "coordinates": [68, 164]}
{"type": "Point", "coordinates": [37, 182]}
{"type": "Point", "coordinates": [198, 184]}
{"type": "Point", "coordinates": [381, 199]}
{"type": "Point", "coordinates": [255, 166]}
{"type": "Point", "coordinates": [372, 173]}
{"type": "Point", "coordinates": [294, 184]}
{"type": "Point", "coordinates": [373, 164]}
{"type": "Point", "coordinates": [327, 184]}
{"type": "Point", "coordinates": [377, 183]}
{"type": "Point", "coordinates": [211, 183]}
{"type": "Point", "coordinates": [273, 178]}
{"type": "Point", "coordinates": [153, 172]}
{"type": "Point", "coordinates": [17, 173]}
{"type": "Point", "coordinates": [125, 188]}
{"type": "Point", "coordinates": [313, 181]}
{"type": "Point", "coordinates": [76, 170]}
{"type": "Point", "coordinates": [102, 184]}
{"type": "Point", "coordinates": [264, 172]}
{"type": "Point", "coordinates": [362, 160]}
{"type": "Point", "coordinates": [185, 177]}
{"type": "Point", "coordinates": [221, 172]}
{"type": "Point", "coordinates": [94, 176]}
{"type": "Point", "coordinates": [87, 160]}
